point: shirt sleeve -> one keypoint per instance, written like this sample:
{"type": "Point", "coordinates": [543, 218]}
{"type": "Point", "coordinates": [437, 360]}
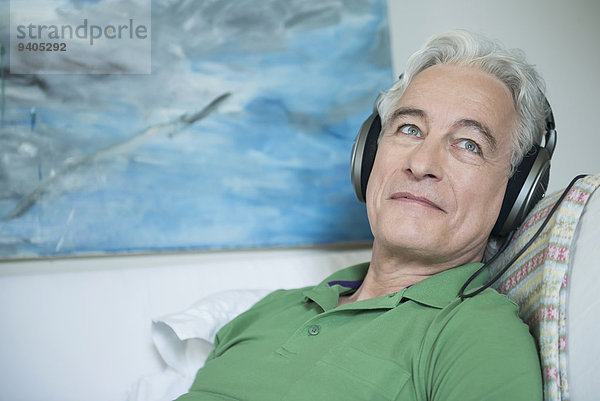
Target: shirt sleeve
{"type": "Point", "coordinates": [481, 350]}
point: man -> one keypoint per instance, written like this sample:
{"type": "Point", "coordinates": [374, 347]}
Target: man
{"type": "Point", "coordinates": [454, 127]}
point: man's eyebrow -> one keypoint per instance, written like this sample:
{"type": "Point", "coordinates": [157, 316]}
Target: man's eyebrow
{"type": "Point", "coordinates": [479, 126]}
{"type": "Point", "coordinates": [408, 111]}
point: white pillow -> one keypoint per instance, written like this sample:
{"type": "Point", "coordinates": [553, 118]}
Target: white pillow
{"type": "Point", "coordinates": [185, 339]}
{"type": "Point", "coordinates": [583, 306]}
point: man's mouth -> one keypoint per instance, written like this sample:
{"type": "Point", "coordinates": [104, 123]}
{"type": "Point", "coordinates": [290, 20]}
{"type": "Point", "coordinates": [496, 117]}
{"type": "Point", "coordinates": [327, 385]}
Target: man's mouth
{"type": "Point", "coordinates": [407, 196]}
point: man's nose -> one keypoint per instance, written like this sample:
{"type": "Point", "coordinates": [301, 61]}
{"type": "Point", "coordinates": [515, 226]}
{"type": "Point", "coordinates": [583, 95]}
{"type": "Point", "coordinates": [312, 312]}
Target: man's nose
{"type": "Point", "coordinates": [425, 160]}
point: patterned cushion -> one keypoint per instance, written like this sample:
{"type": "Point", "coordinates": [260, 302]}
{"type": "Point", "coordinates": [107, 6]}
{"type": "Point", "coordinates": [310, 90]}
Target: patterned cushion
{"type": "Point", "coordinates": [537, 281]}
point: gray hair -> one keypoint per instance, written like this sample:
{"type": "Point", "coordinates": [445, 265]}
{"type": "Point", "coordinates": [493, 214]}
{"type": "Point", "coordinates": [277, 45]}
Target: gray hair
{"type": "Point", "coordinates": [508, 65]}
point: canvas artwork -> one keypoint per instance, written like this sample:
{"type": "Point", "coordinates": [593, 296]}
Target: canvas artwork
{"type": "Point", "coordinates": [240, 136]}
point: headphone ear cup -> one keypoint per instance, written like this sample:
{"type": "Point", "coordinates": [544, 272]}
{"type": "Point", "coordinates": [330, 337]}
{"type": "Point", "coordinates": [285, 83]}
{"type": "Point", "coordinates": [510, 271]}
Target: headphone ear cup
{"type": "Point", "coordinates": [525, 189]}
{"type": "Point", "coordinates": [363, 154]}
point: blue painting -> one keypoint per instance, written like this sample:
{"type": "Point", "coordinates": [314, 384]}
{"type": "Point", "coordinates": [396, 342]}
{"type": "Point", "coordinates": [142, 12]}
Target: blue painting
{"type": "Point", "coordinates": [240, 136]}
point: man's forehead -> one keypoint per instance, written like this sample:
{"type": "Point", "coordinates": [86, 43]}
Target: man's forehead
{"type": "Point", "coordinates": [464, 95]}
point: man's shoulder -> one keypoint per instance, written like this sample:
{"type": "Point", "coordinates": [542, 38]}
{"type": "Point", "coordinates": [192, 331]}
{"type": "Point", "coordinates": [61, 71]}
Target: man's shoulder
{"type": "Point", "coordinates": [488, 320]}
{"type": "Point", "coordinates": [485, 311]}
{"type": "Point", "coordinates": [281, 296]}
{"type": "Point", "coordinates": [478, 344]}
{"type": "Point", "coordinates": [273, 302]}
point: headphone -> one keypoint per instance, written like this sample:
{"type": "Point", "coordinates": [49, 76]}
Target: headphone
{"type": "Point", "coordinates": [525, 188]}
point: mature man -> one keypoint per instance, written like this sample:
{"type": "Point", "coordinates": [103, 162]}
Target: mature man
{"type": "Point", "coordinates": [454, 127]}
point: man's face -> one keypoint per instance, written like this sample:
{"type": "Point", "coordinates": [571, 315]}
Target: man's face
{"type": "Point", "coordinates": [442, 166]}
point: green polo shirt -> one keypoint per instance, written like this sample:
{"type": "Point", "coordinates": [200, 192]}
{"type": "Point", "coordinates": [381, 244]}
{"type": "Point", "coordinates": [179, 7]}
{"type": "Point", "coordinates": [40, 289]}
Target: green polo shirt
{"type": "Point", "coordinates": [421, 343]}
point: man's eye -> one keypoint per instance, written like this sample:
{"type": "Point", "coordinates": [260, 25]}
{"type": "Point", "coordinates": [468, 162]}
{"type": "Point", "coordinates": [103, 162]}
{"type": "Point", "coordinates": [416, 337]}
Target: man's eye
{"type": "Point", "coordinates": [469, 145]}
{"type": "Point", "coordinates": [410, 130]}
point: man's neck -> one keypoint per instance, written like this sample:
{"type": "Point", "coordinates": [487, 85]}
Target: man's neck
{"type": "Point", "coordinates": [389, 273]}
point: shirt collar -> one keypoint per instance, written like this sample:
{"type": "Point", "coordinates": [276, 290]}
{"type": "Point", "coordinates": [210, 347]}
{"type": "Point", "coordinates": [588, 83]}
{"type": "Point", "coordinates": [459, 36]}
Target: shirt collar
{"type": "Point", "coordinates": [342, 282]}
{"type": "Point", "coordinates": [436, 291]}
{"type": "Point", "coordinates": [442, 288]}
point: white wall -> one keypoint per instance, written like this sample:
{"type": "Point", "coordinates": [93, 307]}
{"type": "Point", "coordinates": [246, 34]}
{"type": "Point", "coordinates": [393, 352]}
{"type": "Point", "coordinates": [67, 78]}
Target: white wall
{"type": "Point", "coordinates": [560, 37]}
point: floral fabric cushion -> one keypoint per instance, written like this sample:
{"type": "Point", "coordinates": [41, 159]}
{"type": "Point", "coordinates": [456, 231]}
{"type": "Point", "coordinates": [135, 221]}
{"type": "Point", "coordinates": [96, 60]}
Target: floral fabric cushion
{"type": "Point", "coordinates": [538, 280]}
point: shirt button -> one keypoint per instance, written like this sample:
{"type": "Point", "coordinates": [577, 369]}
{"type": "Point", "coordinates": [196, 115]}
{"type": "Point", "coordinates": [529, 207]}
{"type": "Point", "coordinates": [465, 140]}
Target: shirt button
{"type": "Point", "coordinates": [313, 330]}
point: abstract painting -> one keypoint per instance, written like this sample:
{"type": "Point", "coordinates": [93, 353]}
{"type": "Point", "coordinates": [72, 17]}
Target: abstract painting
{"type": "Point", "coordinates": [240, 136]}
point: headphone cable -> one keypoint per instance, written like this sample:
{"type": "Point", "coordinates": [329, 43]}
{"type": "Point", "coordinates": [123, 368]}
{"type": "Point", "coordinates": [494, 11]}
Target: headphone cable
{"type": "Point", "coordinates": [461, 293]}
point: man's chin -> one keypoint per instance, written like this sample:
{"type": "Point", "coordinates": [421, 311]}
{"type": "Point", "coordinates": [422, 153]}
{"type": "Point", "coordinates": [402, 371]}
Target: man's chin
{"type": "Point", "coordinates": [414, 244]}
